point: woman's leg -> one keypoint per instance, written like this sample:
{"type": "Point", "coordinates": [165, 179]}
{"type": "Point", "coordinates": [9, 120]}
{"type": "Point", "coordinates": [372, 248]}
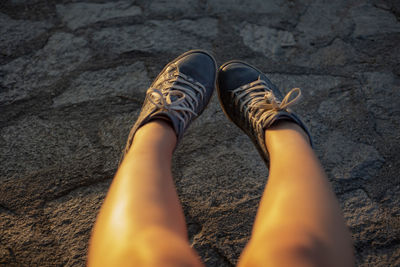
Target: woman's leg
{"type": "Point", "coordinates": [299, 222]}
{"type": "Point", "coordinates": [141, 222]}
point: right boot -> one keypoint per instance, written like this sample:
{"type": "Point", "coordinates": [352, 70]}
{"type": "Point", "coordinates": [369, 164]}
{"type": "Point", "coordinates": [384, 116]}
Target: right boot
{"type": "Point", "coordinates": [251, 101]}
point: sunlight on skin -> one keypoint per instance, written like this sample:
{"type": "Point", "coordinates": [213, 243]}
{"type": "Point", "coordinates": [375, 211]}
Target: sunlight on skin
{"type": "Point", "coordinates": [299, 217]}
{"type": "Point", "coordinates": [141, 222]}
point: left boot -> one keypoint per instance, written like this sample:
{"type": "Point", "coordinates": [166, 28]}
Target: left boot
{"type": "Point", "coordinates": [179, 94]}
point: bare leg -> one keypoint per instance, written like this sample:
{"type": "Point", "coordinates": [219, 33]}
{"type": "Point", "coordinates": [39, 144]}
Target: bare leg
{"type": "Point", "coordinates": [141, 222]}
{"type": "Point", "coordinates": [299, 222]}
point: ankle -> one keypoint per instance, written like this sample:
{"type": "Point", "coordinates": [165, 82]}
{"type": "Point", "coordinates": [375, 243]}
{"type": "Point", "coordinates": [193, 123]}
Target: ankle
{"type": "Point", "coordinates": [285, 132]}
{"type": "Point", "coordinates": [287, 125]}
{"type": "Point", "coordinates": [157, 134]}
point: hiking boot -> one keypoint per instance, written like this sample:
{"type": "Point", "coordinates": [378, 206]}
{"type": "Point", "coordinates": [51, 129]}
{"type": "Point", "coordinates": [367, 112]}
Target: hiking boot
{"type": "Point", "coordinates": [250, 100]}
{"type": "Point", "coordinates": [179, 94]}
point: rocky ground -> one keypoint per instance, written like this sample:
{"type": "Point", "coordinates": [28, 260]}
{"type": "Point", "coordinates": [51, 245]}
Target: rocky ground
{"type": "Point", "coordinates": [73, 76]}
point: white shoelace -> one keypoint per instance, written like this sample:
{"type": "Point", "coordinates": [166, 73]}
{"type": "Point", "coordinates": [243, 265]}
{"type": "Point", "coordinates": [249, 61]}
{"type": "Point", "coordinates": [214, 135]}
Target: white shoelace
{"type": "Point", "coordinates": [177, 99]}
{"type": "Point", "coordinates": [261, 104]}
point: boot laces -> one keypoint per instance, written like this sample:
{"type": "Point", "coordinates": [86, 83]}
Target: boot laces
{"type": "Point", "coordinates": [177, 95]}
{"type": "Point", "coordinates": [260, 104]}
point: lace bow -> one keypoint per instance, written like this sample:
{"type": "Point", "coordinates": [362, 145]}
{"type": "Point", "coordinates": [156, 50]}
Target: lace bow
{"type": "Point", "coordinates": [260, 103]}
{"type": "Point", "coordinates": [178, 97]}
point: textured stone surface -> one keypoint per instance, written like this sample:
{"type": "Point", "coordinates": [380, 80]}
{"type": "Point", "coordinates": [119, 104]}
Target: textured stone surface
{"type": "Point", "coordinates": [359, 209]}
{"type": "Point", "coordinates": [373, 230]}
{"type": "Point", "coordinates": [19, 2]}
{"type": "Point", "coordinates": [247, 6]}
{"type": "Point", "coordinates": [270, 42]}
{"type": "Point", "coordinates": [62, 54]}
{"type": "Point", "coordinates": [159, 36]}
{"type": "Point", "coordinates": [15, 33]}
{"type": "Point", "coordinates": [124, 81]}
{"type": "Point", "coordinates": [72, 80]}
{"type": "Point", "coordinates": [162, 8]}
{"type": "Point", "coordinates": [113, 133]}
{"type": "Point", "coordinates": [324, 20]}
{"type": "Point", "coordinates": [370, 20]}
{"type": "Point", "coordinates": [338, 53]}
{"type": "Point", "coordinates": [77, 15]}
{"type": "Point", "coordinates": [73, 215]}
{"type": "Point", "coordinates": [311, 85]}
{"type": "Point", "coordinates": [32, 144]}
{"type": "Point", "coordinates": [347, 159]}
{"type": "Point", "coordinates": [382, 93]}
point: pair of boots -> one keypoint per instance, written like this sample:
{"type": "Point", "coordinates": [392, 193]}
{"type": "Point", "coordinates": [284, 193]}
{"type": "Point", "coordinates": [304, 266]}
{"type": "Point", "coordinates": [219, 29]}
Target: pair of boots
{"type": "Point", "coordinates": [184, 87]}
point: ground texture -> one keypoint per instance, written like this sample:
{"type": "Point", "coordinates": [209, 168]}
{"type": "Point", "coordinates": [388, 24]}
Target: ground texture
{"type": "Point", "coordinates": [73, 76]}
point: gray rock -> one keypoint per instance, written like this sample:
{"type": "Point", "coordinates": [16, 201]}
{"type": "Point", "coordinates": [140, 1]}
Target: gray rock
{"type": "Point", "coordinates": [310, 85]}
{"type": "Point", "coordinates": [203, 28]}
{"type": "Point", "coordinates": [338, 53]}
{"type": "Point", "coordinates": [67, 215]}
{"type": "Point", "coordinates": [247, 6]}
{"type": "Point", "coordinates": [347, 159]}
{"type": "Point", "coordinates": [271, 42]}
{"type": "Point", "coordinates": [322, 21]}
{"type": "Point", "coordinates": [188, 8]}
{"type": "Point", "coordinates": [373, 229]}
{"type": "Point", "coordinates": [370, 20]}
{"type": "Point", "coordinates": [61, 220]}
{"type": "Point", "coordinates": [382, 91]}
{"type": "Point", "coordinates": [62, 54]}
{"type": "Point", "coordinates": [113, 133]}
{"type": "Point", "coordinates": [339, 107]}
{"type": "Point", "coordinates": [391, 201]}
{"type": "Point", "coordinates": [382, 95]}
{"type": "Point", "coordinates": [33, 144]}
{"type": "Point", "coordinates": [15, 33]}
{"type": "Point", "coordinates": [126, 81]}
{"type": "Point", "coordinates": [20, 232]}
{"type": "Point", "coordinates": [330, 108]}
{"type": "Point", "coordinates": [5, 254]}
{"type": "Point", "coordinates": [159, 36]}
{"type": "Point", "coordinates": [77, 15]}
{"type": "Point", "coordinates": [380, 257]}
{"type": "Point", "coordinates": [359, 209]}
{"type": "Point", "coordinates": [19, 2]}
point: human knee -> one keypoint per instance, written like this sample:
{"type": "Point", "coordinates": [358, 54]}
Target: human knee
{"type": "Point", "coordinates": [153, 246]}
{"type": "Point", "coordinates": [293, 248]}
{"type": "Point", "coordinates": [162, 247]}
